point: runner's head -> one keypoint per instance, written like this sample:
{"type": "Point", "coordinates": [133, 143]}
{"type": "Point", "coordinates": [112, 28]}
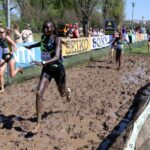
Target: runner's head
{"type": "Point", "coordinates": [48, 28]}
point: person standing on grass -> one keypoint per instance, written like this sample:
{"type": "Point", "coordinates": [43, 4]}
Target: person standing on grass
{"type": "Point", "coordinates": [119, 47]}
{"type": "Point", "coordinates": [7, 48]}
{"type": "Point", "coordinates": [27, 35]}
{"type": "Point", "coordinates": [51, 55]}
{"type": "Point", "coordinates": [75, 33]}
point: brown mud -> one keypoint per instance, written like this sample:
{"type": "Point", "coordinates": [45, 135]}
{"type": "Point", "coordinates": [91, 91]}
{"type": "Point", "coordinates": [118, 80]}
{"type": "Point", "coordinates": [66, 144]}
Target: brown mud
{"type": "Point", "coordinates": [101, 96]}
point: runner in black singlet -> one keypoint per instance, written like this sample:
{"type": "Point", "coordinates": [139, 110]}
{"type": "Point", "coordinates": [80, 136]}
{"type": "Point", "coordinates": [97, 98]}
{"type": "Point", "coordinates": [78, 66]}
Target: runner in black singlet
{"type": "Point", "coordinates": [52, 66]}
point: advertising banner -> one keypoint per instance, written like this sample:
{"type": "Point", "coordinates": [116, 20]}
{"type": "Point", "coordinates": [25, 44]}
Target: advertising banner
{"type": "Point", "coordinates": [24, 56]}
{"type": "Point", "coordinates": [70, 47]}
{"type": "Point", "coordinates": [101, 41]}
{"type": "Point", "coordinates": [110, 27]}
{"type": "Point", "coordinates": [76, 46]}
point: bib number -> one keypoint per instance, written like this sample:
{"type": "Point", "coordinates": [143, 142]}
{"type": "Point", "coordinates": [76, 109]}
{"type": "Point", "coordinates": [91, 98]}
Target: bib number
{"type": "Point", "coordinates": [120, 46]}
{"type": "Point", "coordinates": [45, 56]}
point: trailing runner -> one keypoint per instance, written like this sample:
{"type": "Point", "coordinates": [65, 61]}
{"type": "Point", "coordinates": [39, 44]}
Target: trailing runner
{"type": "Point", "coordinates": [115, 35]}
{"type": "Point", "coordinates": [51, 55]}
{"type": "Point", "coordinates": [119, 47]}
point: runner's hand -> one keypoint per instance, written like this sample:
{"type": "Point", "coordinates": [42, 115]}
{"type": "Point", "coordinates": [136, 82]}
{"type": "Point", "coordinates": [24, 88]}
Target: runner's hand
{"type": "Point", "coordinates": [28, 47]}
{"type": "Point", "coordinates": [8, 57]}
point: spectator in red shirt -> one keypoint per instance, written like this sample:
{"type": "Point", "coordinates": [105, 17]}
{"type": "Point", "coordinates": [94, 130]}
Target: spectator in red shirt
{"type": "Point", "coordinates": [75, 32]}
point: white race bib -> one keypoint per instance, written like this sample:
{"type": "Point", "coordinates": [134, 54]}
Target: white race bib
{"type": "Point", "coordinates": [120, 46]}
{"type": "Point", "coordinates": [4, 50]}
{"type": "Point", "coordinates": [45, 56]}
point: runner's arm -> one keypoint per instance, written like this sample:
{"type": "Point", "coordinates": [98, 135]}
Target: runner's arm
{"type": "Point", "coordinates": [12, 43]}
{"type": "Point", "coordinates": [33, 45]}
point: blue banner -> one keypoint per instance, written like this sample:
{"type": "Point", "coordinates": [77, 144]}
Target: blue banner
{"type": "Point", "coordinates": [24, 56]}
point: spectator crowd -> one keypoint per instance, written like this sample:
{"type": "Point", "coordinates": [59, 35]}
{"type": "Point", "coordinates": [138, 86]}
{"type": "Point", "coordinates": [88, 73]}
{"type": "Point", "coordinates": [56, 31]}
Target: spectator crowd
{"type": "Point", "coordinates": [18, 36]}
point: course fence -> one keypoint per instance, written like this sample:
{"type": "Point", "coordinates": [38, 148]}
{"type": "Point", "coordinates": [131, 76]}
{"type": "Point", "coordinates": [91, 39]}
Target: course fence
{"type": "Point", "coordinates": [137, 138]}
{"type": "Point", "coordinates": [73, 50]}
{"type": "Point", "coordinates": [70, 47]}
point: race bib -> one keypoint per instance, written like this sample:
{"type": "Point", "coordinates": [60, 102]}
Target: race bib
{"type": "Point", "coordinates": [4, 50]}
{"type": "Point", "coordinates": [120, 46]}
{"type": "Point", "coordinates": [45, 56]}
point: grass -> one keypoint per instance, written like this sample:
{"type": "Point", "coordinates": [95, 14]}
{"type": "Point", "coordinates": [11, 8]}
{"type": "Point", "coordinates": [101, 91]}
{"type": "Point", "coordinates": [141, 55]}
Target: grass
{"type": "Point", "coordinates": [138, 48]}
{"type": "Point", "coordinates": [84, 57]}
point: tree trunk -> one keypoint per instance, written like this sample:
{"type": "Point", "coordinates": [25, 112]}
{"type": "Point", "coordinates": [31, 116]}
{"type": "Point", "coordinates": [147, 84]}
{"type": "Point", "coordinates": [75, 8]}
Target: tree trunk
{"type": "Point", "coordinates": [85, 25]}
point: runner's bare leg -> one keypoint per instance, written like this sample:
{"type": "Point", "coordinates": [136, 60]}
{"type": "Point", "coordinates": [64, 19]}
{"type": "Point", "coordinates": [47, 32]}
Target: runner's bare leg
{"type": "Point", "coordinates": [43, 84]}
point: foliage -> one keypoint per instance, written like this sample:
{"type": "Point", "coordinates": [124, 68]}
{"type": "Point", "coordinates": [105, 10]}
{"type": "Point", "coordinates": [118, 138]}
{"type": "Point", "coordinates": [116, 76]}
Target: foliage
{"type": "Point", "coordinates": [3, 10]}
{"type": "Point", "coordinates": [139, 48]}
{"type": "Point", "coordinates": [45, 9]}
{"type": "Point", "coordinates": [85, 12]}
{"type": "Point", "coordinates": [2, 14]}
{"type": "Point", "coordinates": [96, 20]}
{"type": "Point", "coordinates": [113, 10]}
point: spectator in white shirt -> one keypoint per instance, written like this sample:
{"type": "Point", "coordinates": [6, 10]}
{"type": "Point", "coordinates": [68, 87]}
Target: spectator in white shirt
{"type": "Point", "coordinates": [27, 35]}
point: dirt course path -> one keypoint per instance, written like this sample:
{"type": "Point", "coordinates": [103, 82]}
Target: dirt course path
{"type": "Point", "coordinates": [101, 96]}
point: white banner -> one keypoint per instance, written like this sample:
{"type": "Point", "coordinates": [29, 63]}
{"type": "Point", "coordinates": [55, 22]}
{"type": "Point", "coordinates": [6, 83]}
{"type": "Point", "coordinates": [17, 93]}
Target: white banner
{"type": "Point", "coordinates": [101, 41]}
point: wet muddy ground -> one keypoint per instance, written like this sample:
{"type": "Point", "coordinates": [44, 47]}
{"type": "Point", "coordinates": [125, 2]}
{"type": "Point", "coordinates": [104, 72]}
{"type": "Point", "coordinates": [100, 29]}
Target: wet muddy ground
{"type": "Point", "coordinates": [101, 96]}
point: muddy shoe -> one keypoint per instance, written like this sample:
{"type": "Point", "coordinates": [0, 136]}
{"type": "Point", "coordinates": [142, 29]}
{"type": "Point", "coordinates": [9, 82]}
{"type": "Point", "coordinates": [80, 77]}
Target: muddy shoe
{"type": "Point", "coordinates": [68, 97]}
{"type": "Point", "coordinates": [21, 70]}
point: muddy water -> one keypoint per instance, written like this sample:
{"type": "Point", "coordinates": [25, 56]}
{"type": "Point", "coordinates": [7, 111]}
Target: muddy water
{"type": "Point", "coordinates": [101, 96]}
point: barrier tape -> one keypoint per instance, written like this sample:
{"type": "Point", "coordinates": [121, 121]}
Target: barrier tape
{"type": "Point", "coordinates": [137, 127]}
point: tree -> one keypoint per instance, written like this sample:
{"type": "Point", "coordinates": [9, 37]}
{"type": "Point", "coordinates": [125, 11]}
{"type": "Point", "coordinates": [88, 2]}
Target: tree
{"type": "Point", "coordinates": [66, 11]}
{"type": "Point", "coordinates": [84, 10]}
{"type": "Point", "coordinates": [2, 15]}
{"type": "Point", "coordinates": [3, 10]}
{"type": "Point", "coordinates": [96, 20]}
{"type": "Point", "coordinates": [35, 13]}
{"type": "Point", "coordinates": [113, 9]}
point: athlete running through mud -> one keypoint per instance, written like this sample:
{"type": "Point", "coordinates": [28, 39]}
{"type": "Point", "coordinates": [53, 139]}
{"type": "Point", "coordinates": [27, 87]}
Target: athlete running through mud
{"type": "Point", "coordinates": [52, 66]}
{"type": "Point", "coordinates": [119, 47]}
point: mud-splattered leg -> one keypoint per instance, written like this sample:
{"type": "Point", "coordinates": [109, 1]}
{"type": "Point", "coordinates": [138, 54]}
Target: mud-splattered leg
{"type": "Point", "coordinates": [43, 84]}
